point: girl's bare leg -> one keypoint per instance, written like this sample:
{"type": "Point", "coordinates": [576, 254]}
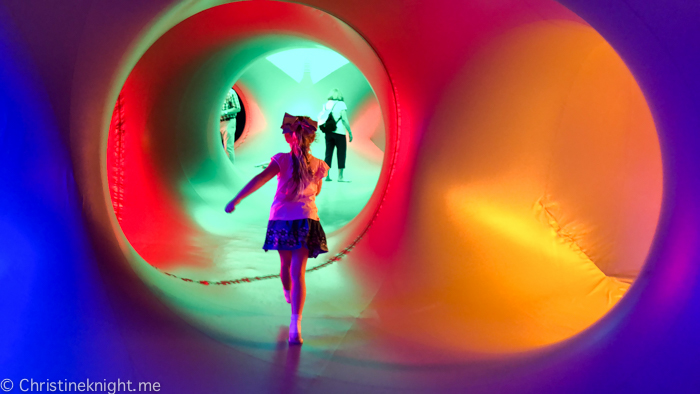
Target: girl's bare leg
{"type": "Point", "coordinates": [298, 274]}
{"type": "Point", "coordinates": [285, 264]}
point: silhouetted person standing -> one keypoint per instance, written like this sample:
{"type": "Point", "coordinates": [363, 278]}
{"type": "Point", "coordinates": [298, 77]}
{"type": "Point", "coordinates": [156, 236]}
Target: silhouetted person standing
{"type": "Point", "coordinates": [227, 124]}
{"type": "Point", "coordinates": [336, 139]}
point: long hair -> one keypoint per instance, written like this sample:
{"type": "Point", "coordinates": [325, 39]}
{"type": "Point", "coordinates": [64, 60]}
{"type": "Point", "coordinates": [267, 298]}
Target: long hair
{"type": "Point", "coordinates": [301, 140]}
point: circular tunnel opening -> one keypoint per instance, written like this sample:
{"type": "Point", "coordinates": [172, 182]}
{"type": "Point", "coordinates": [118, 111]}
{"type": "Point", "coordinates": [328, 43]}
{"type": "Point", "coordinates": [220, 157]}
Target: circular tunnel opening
{"type": "Point", "coordinates": [169, 177]}
{"type": "Point", "coordinates": [298, 80]}
{"type": "Point", "coordinates": [180, 164]}
{"type": "Point", "coordinates": [534, 194]}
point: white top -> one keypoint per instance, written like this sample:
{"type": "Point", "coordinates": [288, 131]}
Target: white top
{"type": "Point", "coordinates": [302, 206]}
{"type": "Point", "coordinates": [339, 107]}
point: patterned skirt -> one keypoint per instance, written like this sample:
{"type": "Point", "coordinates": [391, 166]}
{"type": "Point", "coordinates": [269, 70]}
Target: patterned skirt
{"type": "Point", "coordinates": [295, 234]}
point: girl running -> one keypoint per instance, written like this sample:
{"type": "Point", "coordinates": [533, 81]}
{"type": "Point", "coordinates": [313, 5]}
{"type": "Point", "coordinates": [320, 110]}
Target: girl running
{"type": "Point", "coordinates": [294, 229]}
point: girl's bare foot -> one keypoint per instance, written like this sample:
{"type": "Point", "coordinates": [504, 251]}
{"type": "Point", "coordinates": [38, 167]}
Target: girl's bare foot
{"type": "Point", "coordinates": [296, 339]}
{"type": "Point", "coordinates": [295, 330]}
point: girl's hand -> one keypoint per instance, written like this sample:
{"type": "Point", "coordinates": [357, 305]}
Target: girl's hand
{"type": "Point", "coordinates": [231, 206]}
{"type": "Point", "coordinates": [350, 137]}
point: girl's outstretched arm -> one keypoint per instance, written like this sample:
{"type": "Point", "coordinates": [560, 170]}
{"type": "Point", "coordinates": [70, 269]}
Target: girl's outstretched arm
{"type": "Point", "coordinates": [256, 183]}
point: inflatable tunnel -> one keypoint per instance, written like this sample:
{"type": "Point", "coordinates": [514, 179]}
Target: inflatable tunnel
{"type": "Point", "coordinates": [522, 215]}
